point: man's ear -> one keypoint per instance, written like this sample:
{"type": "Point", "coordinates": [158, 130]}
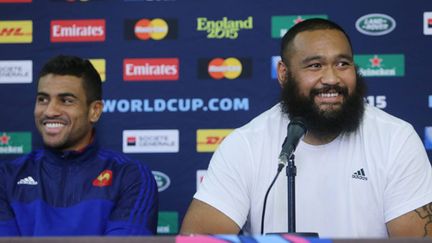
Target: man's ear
{"type": "Point", "coordinates": [95, 111]}
{"type": "Point", "coordinates": [282, 70]}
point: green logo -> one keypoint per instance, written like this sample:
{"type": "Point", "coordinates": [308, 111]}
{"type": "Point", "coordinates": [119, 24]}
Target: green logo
{"type": "Point", "coordinates": [224, 28]}
{"type": "Point", "coordinates": [381, 65]}
{"type": "Point", "coordinates": [15, 142]}
{"type": "Point", "coordinates": [281, 24]}
{"type": "Point", "coordinates": [167, 223]}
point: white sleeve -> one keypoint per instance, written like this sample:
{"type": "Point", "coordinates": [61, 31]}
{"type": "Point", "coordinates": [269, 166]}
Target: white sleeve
{"type": "Point", "coordinates": [409, 177]}
{"type": "Point", "coordinates": [226, 185]}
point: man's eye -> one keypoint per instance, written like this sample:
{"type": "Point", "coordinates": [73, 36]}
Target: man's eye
{"type": "Point", "coordinates": [314, 65]}
{"type": "Point", "coordinates": [342, 64]}
{"type": "Point", "coordinates": [41, 99]}
{"type": "Point", "coordinates": [68, 101]}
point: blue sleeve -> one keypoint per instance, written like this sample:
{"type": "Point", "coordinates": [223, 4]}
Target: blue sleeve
{"type": "Point", "coordinates": [136, 210]}
{"type": "Point", "coordinates": [8, 225]}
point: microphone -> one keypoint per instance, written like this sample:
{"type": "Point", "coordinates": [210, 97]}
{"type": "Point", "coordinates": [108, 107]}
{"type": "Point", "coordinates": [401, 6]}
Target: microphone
{"type": "Point", "coordinates": [295, 130]}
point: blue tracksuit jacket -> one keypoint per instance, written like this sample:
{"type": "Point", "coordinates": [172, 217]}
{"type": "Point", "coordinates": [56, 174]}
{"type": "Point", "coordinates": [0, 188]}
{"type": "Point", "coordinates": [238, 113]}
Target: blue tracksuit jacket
{"type": "Point", "coordinates": [92, 192]}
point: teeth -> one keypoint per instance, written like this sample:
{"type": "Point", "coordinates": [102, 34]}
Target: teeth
{"type": "Point", "coordinates": [328, 95]}
{"type": "Point", "coordinates": [53, 125]}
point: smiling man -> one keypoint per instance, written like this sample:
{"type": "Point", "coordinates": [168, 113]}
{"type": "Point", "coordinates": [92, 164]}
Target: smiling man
{"type": "Point", "coordinates": [72, 186]}
{"type": "Point", "coordinates": [361, 173]}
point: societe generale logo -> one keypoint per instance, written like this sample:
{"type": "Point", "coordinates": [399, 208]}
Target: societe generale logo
{"type": "Point", "coordinates": [84, 30]}
{"type": "Point", "coordinates": [20, 31]}
{"type": "Point", "coordinates": [151, 141]}
{"type": "Point", "coordinates": [150, 69]}
{"type": "Point", "coordinates": [209, 139]}
{"type": "Point", "coordinates": [16, 71]}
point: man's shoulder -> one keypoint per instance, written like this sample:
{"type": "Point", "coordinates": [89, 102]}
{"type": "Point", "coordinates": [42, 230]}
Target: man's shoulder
{"type": "Point", "coordinates": [32, 157]}
{"type": "Point", "coordinates": [377, 117]}
{"type": "Point", "coordinates": [121, 160]}
{"type": "Point", "coordinates": [265, 121]}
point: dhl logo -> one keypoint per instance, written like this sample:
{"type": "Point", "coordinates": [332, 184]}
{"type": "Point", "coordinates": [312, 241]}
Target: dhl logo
{"type": "Point", "coordinates": [16, 31]}
{"type": "Point", "coordinates": [209, 139]}
{"type": "Point", "coordinates": [100, 66]}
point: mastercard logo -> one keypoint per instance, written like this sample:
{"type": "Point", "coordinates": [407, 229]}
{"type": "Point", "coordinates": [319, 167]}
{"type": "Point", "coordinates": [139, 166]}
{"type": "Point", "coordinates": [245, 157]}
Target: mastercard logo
{"type": "Point", "coordinates": [229, 68]}
{"type": "Point", "coordinates": [155, 29]}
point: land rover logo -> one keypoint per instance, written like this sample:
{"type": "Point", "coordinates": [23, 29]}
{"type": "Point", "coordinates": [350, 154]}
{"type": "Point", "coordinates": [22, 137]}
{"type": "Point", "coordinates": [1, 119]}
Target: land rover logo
{"type": "Point", "coordinates": [375, 24]}
{"type": "Point", "coordinates": [162, 180]}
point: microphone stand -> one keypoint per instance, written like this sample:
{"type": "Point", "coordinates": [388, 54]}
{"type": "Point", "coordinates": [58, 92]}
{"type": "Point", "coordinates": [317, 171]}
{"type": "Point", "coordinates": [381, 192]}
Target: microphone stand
{"type": "Point", "coordinates": [291, 172]}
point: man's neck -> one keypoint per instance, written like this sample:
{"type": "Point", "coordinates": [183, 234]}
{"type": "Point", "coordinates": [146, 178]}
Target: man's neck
{"type": "Point", "coordinates": [313, 139]}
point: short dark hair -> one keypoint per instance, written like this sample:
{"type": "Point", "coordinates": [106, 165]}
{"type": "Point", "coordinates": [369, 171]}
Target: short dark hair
{"type": "Point", "coordinates": [307, 25]}
{"type": "Point", "coordinates": [78, 67]}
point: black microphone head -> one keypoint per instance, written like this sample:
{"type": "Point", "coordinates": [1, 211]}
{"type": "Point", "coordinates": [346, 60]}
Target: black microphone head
{"type": "Point", "coordinates": [295, 130]}
{"type": "Point", "coordinates": [298, 121]}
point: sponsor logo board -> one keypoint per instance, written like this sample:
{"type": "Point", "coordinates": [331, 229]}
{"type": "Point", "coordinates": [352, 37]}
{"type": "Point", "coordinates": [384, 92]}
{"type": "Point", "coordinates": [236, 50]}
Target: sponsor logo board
{"type": "Point", "coordinates": [428, 138]}
{"type": "Point", "coordinates": [80, 30]}
{"type": "Point", "coordinates": [200, 174]}
{"type": "Point", "coordinates": [162, 180]}
{"type": "Point", "coordinates": [150, 69]}
{"type": "Point", "coordinates": [381, 65]}
{"type": "Point", "coordinates": [274, 63]}
{"type": "Point", "coordinates": [100, 66]}
{"type": "Point", "coordinates": [281, 24]}
{"type": "Point", "coordinates": [16, 71]}
{"type": "Point", "coordinates": [168, 223]}
{"type": "Point", "coordinates": [224, 28]}
{"type": "Point", "coordinates": [151, 141]}
{"type": "Point", "coordinates": [15, 142]}
{"type": "Point", "coordinates": [224, 68]}
{"type": "Point", "coordinates": [150, 29]}
{"type": "Point", "coordinates": [14, 32]}
{"type": "Point", "coordinates": [375, 24]}
{"type": "Point", "coordinates": [427, 23]}
{"type": "Point", "coordinates": [209, 139]}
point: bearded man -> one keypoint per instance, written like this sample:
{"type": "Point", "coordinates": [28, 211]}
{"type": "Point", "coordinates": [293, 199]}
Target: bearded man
{"type": "Point", "coordinates": [361, 173]}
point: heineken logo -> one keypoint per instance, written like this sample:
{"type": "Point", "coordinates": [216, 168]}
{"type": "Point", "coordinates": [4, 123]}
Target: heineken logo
{"type": "Point", "coordinates": [168, 222]}
{"type": "Point", "coordinates": [162, 180]}
{"type": "Point", "coordinates": [375, 24]}
{"type": "Point", "coordinates": [15, 142]}
{"type": "Point", "coordinates": [383, 65]}
{"type": "Point", "coordinates": [281, 24]}
{"type": "Point", "coordinates": [4, 139]}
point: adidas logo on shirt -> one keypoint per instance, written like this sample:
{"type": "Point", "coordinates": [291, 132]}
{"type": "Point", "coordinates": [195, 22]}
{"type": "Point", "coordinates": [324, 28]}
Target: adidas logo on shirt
{"type": "Point", "coordinates": [27, 181]}
{"type": "Point", "coordinates": [360, 174]}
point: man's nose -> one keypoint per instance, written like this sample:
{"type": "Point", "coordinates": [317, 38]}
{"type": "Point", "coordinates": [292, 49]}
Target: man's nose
{"type": "Point", "coordinates": [52, 109]}
{"type": "Point", "coordinates": [330, 76]}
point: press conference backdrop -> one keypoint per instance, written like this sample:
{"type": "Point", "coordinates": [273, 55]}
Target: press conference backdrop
{"type": "Point", "coordinates": [179, 75]}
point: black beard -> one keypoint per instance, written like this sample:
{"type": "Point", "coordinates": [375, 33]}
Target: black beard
{"type": "Point", "coordinates": [325, 123]}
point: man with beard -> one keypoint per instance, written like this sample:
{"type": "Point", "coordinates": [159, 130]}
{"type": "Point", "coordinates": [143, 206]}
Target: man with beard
{"type": "Point", "coordinates": [72, 186]}
{"type": "Point", "coordinates": [360, 171]}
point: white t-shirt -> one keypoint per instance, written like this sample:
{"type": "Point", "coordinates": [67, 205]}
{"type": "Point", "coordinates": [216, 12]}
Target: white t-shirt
{"type": "Point", "coordinates": [349, 187]}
